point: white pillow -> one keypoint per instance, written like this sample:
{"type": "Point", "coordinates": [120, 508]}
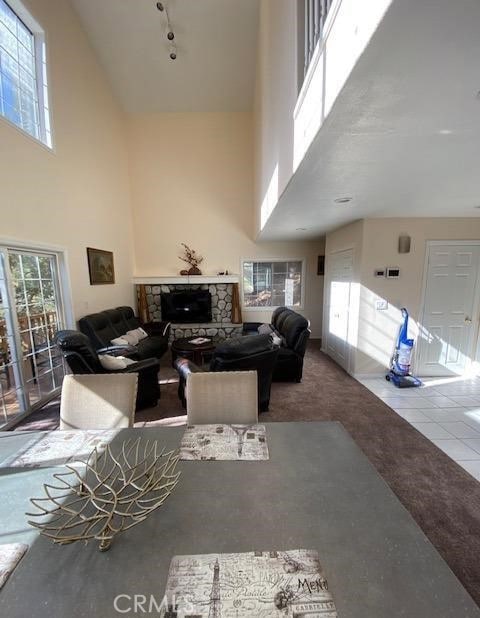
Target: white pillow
{"type": "Point", "coordinates": [141, 333]}
{"type": "Point", "coordinates": [264, 329]}
{"type": "Point", "coordinates": [119, 341]}
{"type": "Point", "coordinates": [132, 337]}
{"type": "Point", "coordinates": [276, 339]}
{"type": "Point", "coordinates": [112, 363]}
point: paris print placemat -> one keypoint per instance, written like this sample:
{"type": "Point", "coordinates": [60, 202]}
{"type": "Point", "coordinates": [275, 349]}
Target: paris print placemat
{"type": "Point", "coordinates": [261, 584]}
{"type": "Point", "coordinates": [57, 448]}
{"type": "Point", "coordinates": [224, 442]}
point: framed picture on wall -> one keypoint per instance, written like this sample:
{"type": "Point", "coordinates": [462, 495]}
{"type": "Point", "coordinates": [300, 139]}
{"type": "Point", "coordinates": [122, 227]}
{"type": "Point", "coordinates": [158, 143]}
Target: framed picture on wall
{"type": "Point", "coordinates": [321, 265]}
{"type": "Point", "coordinates": [100, 266]}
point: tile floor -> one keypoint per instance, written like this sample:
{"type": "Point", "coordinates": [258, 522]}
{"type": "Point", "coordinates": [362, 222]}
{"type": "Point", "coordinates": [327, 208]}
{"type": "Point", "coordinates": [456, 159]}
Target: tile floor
{"type": "Point", "coordinates": [445, 410]}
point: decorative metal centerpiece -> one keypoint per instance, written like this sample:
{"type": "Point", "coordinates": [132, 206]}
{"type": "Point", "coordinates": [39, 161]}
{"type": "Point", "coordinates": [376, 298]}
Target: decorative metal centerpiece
{"type": "Point", "coordinates": [114, 493]}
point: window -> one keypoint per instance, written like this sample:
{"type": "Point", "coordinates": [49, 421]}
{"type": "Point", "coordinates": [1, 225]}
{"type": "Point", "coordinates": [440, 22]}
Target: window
{"type": "Point", "coordinates": [23, 73]}
{"type": "Point", "coordinates": [273, 283]}
{"type": "Point", "coordinates": [31, 312]}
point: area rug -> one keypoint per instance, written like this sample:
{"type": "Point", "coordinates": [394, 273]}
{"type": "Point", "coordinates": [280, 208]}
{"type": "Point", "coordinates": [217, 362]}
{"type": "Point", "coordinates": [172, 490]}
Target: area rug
{"type": "Point", "coordinates": [273, 583]}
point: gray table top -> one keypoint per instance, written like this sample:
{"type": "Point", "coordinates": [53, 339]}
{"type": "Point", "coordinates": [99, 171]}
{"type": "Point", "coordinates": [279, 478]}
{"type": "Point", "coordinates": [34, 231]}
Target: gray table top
{"type": "Point", "coordinates": [317, 491]}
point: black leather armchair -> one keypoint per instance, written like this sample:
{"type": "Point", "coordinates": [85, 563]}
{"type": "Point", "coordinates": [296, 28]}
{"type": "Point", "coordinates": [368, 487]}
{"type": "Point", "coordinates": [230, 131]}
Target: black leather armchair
{"type": "Point", "coordinates": [82, 358]}
{"type": "Point", "coordinates": [110, 324]}
{"type": "Point", "coordinates": [243, 354]}
{"type": "Point", "coordinates": [294, 331]}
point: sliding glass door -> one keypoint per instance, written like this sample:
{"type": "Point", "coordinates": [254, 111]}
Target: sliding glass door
{"type": "Point", "coordinates": [31, 312]}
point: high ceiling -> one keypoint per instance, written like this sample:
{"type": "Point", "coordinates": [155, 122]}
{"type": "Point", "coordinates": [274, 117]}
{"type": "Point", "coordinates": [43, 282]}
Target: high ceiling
{"type": "Point", "coordinates": [215, 65]}
{"type": "Point", "coordinates": [403, 139]}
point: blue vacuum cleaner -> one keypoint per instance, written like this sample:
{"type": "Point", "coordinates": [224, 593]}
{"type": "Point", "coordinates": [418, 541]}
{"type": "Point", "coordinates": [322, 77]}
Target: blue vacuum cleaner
{"type": "Point", "coordinates": [399, 373]}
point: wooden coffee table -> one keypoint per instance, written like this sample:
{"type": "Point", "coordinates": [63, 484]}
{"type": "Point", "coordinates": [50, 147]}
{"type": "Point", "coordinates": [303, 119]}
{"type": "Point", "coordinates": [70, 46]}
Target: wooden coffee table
{"type": "Point", "coordinates": [196, 352]}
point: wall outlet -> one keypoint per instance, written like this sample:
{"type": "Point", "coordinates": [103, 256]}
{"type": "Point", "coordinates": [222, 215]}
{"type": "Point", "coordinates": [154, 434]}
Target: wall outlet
{"type": "Point", "coordinates": [381, 304]}
{"type": "Point", "coordinates": [379, 272]}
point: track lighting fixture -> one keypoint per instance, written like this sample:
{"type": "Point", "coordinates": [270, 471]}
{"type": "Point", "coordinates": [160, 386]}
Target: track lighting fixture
{"type": "Point", "coordinates": [169, 32]}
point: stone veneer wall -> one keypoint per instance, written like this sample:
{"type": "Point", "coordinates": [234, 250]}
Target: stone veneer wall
{"type": "Point", "coordinates": [219, 328]}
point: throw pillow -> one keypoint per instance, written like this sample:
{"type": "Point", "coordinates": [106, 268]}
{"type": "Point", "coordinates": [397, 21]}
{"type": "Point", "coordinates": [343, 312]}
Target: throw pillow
{"type": "Point", "coordinates": [264, 329]}
{"type": "Point", "coordinates": [276, 339]}
{"type": "Point", "coordinates": [119, 341]}
{"type": "Point", "coordinates": [141, 333]}
{"type": "Point", "coordinates": [113, 363]}
{"type": "Point", "coordinates": [132, 337]}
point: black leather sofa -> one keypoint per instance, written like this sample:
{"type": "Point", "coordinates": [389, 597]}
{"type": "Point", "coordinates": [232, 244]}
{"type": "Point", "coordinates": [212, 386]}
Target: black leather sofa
{"type": "Point", "coordinates": [242, 354]}
{"type": "Point", "coordinates": [294, 331]}
{"type": "Point", "coordinates": [110, 324]}
{"type": "Point", "coordinates": [82, 358]}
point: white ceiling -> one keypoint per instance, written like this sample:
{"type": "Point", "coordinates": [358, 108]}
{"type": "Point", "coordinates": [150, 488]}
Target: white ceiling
{"type": "Point", "coordinates": [215, 66]}
{"type": "Point", "coordinates": [403, 138]}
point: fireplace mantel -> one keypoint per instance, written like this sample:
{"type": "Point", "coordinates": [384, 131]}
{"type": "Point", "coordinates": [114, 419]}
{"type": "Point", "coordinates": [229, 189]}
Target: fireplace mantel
{"type": "Point", "coordinates": [186, 279]}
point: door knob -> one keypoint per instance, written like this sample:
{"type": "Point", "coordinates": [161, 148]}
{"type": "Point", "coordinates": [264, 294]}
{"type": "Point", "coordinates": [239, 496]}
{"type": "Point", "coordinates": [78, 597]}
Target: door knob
{"type": "Point", "coordinates": [468, 320]}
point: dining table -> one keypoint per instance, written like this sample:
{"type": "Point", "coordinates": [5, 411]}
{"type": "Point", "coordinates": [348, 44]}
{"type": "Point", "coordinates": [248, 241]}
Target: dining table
{"type": "Point", "coordinates": [317, 490]}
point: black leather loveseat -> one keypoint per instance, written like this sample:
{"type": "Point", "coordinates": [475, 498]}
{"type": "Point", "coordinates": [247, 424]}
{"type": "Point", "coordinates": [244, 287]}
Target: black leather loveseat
{"type": "Point", "coordinates": [110, 324]}
{"type": "Point", "coordinates": [82, 358]}
{"type": "Point", "coordinates": [292, 331]}
{"type": "Point", "coordinates": [242, 354]}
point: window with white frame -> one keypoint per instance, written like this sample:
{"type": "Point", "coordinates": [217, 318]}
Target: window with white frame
{"type": "Point", "coordinates": [23, 72]}
{"type": "Point", "coordinates": [273, 283]}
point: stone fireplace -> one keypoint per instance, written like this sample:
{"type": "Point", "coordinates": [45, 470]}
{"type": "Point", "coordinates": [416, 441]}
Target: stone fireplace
{"type": "Point", "coordinates": [220, 327]}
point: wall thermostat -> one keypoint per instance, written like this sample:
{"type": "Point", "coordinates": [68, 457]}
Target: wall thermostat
{"type": "Point", "coordinates": [379, 272]}
{"type": "Point", "coordinates": [393, 272]}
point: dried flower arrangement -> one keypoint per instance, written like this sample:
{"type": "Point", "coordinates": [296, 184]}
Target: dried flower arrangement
{"type": "Point", "coordinates": [191, 257]}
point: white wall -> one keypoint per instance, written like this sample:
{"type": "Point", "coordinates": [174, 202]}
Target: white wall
{"type": "Point", "coordinates": [347, 237]}
{"type": "Point", "coordinates": [192, 177]}
{"type": "Point", "coordinates": [79, 194]}
{"type": "Point", "coordinates": [287, 121]}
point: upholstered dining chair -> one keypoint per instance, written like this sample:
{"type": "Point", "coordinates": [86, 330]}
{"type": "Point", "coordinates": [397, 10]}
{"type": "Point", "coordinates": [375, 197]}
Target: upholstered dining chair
{"type": "Point", "coordinates": [98, 401]}
{"type": "Point", "coordinates": [222, 397]}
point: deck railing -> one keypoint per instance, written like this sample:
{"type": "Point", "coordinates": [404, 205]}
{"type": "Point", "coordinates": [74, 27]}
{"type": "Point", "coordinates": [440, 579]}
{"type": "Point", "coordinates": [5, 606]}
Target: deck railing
{"type": "Point", "coordinates": [316, 12]}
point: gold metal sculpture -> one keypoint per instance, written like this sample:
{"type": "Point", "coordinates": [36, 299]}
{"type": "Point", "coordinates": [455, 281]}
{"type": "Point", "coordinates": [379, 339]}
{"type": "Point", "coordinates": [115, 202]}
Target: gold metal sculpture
{"type": "Point", "coordinates": [114, 493]}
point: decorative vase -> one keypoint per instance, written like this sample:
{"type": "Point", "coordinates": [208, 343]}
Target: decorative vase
{"type": "Point", "coordinates": [194, 271]}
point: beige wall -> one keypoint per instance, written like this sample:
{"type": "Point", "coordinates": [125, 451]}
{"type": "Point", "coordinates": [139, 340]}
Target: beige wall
{"type": "Point", "coordinates": [378, 329]}
{"type": "Point", "coordinates": [275, 97]}
{"type": "Point", "coordinates": [192, 177]}
{"type": "Point", "coordinates": [77, 195]}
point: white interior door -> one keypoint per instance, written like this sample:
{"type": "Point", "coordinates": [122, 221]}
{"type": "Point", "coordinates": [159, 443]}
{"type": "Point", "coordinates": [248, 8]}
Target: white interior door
{"type": "Point", "coordinates": [450, 314]}
{"type": "Point", "coordinates": [340, 277]}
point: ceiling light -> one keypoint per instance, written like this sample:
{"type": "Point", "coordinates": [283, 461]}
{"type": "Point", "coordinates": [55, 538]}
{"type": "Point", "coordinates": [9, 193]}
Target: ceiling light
{"type": "Point", "coordinates": [343, 200]}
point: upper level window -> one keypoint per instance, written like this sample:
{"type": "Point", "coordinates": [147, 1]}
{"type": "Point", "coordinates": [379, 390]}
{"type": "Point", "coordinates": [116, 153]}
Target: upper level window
{"type": "Point", "coordinates": [23, 74]}
{"type": "Point", "coordinates": [273, 283]}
